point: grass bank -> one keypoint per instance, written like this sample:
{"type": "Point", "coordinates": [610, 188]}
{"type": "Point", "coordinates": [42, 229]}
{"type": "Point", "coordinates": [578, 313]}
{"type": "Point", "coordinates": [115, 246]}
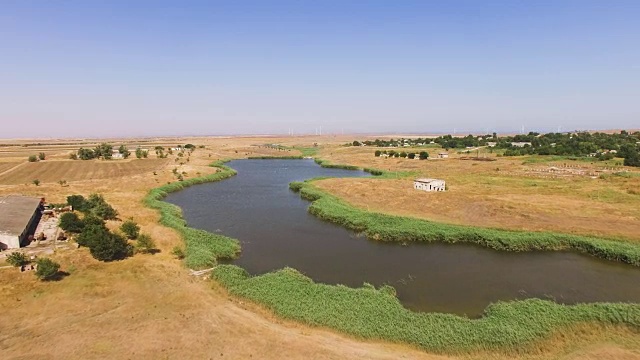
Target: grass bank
{"type": "Point", "coordinates": [202, 248]}
{"type": "Point", "coordinates": [266, 157]}
{"type": "Point", "coordinates": [403, 229]}
{"type": "Point", "coordinates": [372, 313]}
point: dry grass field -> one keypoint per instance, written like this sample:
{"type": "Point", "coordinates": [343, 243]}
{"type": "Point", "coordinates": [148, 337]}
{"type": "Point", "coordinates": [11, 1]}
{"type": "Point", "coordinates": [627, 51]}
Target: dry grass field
{"type": "Point", "coordinates": [148, 306]}
{"type": "Point", "coordinates": [77, 170]}
{"type": "Point", "coordinates": [498, 194]}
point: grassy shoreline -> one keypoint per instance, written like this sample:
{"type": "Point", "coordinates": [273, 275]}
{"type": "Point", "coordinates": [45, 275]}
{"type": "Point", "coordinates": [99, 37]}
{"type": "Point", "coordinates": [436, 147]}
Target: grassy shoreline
{"type": "Point", "coordinates": [371, 313]}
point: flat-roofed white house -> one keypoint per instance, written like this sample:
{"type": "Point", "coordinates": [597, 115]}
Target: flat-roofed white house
{"type": "Point", "coordinates": [429, 184]}
{"type": "Point", "coordinates": [443, 155]}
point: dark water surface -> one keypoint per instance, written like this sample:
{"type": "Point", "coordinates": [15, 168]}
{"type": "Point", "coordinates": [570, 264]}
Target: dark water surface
{"type": "Point", "coordinates": [275, 230]}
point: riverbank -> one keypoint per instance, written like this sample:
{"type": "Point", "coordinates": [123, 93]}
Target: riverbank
{"type": "Point", "coordinates": [377, 314]}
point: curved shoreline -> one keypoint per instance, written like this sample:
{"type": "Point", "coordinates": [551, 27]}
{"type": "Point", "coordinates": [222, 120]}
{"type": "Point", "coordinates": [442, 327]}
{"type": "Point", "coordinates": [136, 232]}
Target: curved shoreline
{"type": "Point", "coordinates": [377, 313]}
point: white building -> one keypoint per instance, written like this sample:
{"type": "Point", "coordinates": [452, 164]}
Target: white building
{"type": "Point", "coordinates": [491, 144]}
{"type": "Point", "coordinates": [520, 144]}
{"type": "Point", "coordinates": [429, 184]}
{"type": "Point", "coordinates": [443, 155]}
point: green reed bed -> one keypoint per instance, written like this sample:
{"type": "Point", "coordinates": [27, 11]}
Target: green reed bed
{"type": "Point", "coordinates": [403, 229]}
{"type": "Point", "coordinates": [377, 314]}
{"type": "Point", "coordinates": [202, 248]}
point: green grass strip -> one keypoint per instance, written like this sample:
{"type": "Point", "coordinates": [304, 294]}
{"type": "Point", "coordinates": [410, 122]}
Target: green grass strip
{"type": "Point", "coordinates": [404, 229]}
{"type": "Point", "coordinates": [372, 313]}
{"type": "Point", "coordinates": [202, 248]}
{"type": "Point", "coordinates": [266, 157]}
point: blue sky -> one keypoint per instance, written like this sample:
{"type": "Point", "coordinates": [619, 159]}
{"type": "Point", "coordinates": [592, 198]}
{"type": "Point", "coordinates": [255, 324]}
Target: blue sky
{"type": "Point", "coordinates": [134, 68]}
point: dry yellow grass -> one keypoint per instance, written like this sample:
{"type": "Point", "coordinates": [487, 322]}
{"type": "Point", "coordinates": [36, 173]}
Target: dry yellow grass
{"type": "Point", "coordinates": [149, 307]}
{"type": "Point", "coordinates": [493, 194]}
{"type": "Point", "coordinates": [78, 170]}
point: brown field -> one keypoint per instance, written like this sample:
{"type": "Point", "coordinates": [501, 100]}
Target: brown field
{"type": "Point", "coordinates": [78, 170]}
{"type": "Point", "coordinates": [498, 194]}
{"type": "Point", "coordinates": [148, 306]}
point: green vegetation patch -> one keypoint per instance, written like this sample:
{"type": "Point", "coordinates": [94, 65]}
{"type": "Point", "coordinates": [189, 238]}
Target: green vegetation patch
{"type": "Point", "coordinates": [266, 157]}
{"type": "Point", "coordinates": [202, 248]}
{"type": "Point", "coordinates": [403, 229]}
{"type": "Point", "coordinates": [377, 314]}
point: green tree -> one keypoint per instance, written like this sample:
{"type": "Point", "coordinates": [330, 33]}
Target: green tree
{"type": "Point", "coordinates": [145, 244]}
{"type": "Point", "coordinates": [139, 153]}
{"type": "Point", "coordinates": [70, 222]}
{"type": "Point", "coordinates": [110, 247]}
{"type": "Point", "coordinates": [130, 229]}
{"type": "Point", "coordinates": [91, 219]}
{"type": "Point", "coordinates": [47, 269]}
{"type": "Point", "coordinates": [42, 156]}
{"type": "Point", "coordinates": [106, 151]}
{"type": "Point", "coordinates": [411, 155]}
{"type": "Point", "coordinates": [36, 182]}
{"type": "Point", "coordinates": [33, 158]}
{"type": "Point", "coordinates": [87, 154]}
{"type": "Point", "coordinates": [78, 202]}
{"type": "Point", "coordinates": [17, 259]}
{"type": "Point", "coordinates": [101, 208]}
{"type": "Point", "coordinates": [403, 154]}
{"type": "Point", "coordinates": [356, 143]}
{"type": "Point", "coordinates": [92, 234]}
{"type": "Point", "coordinates": [378, 153]}
{"type": "Point", "coordinates": [124, 151]}
{"type": "Point", "coordinates": [423, 155]}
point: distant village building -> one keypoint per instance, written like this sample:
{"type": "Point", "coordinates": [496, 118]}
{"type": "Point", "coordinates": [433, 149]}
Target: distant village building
{"type": "Point", "coordinates": [115, 154]}
{"type": "Point", "coordinates": [443, 155]}
{"type": "Point", "coordinates": [492, 144]}
{"type": "Point", "coordinates": [19, 216]}
{"type": "Point", "coordinates": [429, 184]}
{"type": "Point", "coordinates": [520, 144]}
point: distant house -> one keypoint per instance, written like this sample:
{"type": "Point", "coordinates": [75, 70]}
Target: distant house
{"type": "Point", "coordinates": [429, 184]}
{"type": "Point", "coordinates": [443, 155]}
{"type": "Point", "coordinates": [520, 144]}
{"type": "Point", "coordinates": [492, 144]}
{"type": "Point", "coordinates": [115, 154]}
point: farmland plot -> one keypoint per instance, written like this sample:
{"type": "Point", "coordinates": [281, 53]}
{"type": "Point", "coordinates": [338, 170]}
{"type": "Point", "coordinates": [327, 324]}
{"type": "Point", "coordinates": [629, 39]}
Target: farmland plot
{"type": "Point", "coordinates": [70, 170]}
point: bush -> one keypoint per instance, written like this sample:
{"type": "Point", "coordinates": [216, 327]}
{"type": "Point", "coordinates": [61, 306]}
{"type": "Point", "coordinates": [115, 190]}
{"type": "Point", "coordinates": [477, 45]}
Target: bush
{"type": "Point", "coordinates": [70, 222]}
{"type": "Point", "coordinates": [93, 220]}
{"type": "Point", "coordinates": [33, 158]}
{"type": "Point", "coordinates": [378, 153]}
{"type": "Point", "coordinates": [101, 208]}
{"type": "Point", "coordinates": [145, 244]}
{"type": "Point", "coordinates": [178, 252]}
{"type": "Point", "coordinates": [36, 182]}
{"type": "Point", "coordinates": [47, 269]}
{"type": "Point", "coordinates": [17, 259]}
{"type": "Point", "coordinates": [130, 229]}
{"type": "Point", "coordinates": [92, 234]}
{"type": "Point", "coordinates": [423, 155]}
{"type": "Point", "coordinates": [42, 156]}
{"type": "Point", "coordinates": [78, 202]}
{"type": "Point", "coordinates": [109, 247]}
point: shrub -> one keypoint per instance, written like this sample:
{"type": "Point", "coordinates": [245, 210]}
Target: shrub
{"type": "Point", "coordinates": [36, 182]}
{"type": "Point", "coordinates": [33, 158]}
{"type": "Point", "coordinates": [411, 155]}
{"type": "Point", "coordinates": [42, 156]}
{"type": "Point", "coordinates": [178, 252]}
{"type": "Point", "coordinates": [423, 155]}
{"type": "Point", "coordinates": [78, 202]}
{"type": "Point", "coordinates": [378, 153]}
{"type": "Point", "coordinates": [145, 244]}
{"type": "Point", "coordinates": [70, 222]}
{"type": "Point", "coordinates": [92, 234]}
{"type": "Point", "coordinates": [109, 247]}
{"type": "Point", "coordinates": [130, 229]}
{"type": "Point", "coordinates": [93, 220]}
{"type": "Point", "coordinates": [101, 208]}
{"type": "Point", "coordinates": [17, 259]}
{"type": "Point", "coordinates": [47, 269]}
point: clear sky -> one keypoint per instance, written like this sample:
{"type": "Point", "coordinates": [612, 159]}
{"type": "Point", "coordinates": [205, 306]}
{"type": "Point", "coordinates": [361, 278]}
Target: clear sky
{"type": "Point", "coordinates": [134, 68]}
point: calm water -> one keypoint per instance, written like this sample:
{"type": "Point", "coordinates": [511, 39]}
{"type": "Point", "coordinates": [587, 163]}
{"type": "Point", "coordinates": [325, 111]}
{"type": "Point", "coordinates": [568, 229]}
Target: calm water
{"type": "Point", "coordinates": [276, 230]}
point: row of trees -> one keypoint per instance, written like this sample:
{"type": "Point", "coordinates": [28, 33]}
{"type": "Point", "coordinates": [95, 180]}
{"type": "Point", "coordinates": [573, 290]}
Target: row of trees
{"type": "Point", "coordinates": [105, 151]}
{"type": "Point", "coordinates": [93, 233]}
{"type": "Point", "coordinates": [600, 145]}
{"type": "Point", "coordinates": [422, 155]}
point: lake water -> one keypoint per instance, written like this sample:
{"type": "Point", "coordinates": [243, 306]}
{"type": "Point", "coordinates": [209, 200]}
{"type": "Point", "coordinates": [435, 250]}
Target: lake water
{"type": "Point", "coordinates": [275, 230]}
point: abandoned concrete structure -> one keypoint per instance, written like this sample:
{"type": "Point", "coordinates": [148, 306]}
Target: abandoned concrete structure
{"type": "Point", "coordinates": [19, 216]}
{"type": "Point", "coordinates": [429, 184]}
